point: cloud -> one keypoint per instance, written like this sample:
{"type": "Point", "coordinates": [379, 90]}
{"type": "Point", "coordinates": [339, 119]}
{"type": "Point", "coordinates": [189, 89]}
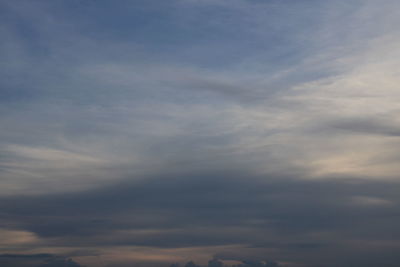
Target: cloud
{"type": "Point", "coordinates": [59, 263]}
{"type": "Point", "coordinates": [36, 260]}
{"type": "Point", "coordinates": [15, 238]}
{"type": "Point", "coordinates": [366, 126]}
{"type": "Point", "coordinates": [279, 216]}
{"type": "Point", "coordinates": [157, 133]}
{"type": "Point", "coordinates": [134, 111]}
{"type": "Point", "coordinates": [27, 256]}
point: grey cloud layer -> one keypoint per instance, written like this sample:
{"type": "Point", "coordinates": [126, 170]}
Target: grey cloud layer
{"type": "Point", "coordinates": [36, 260]}
{"type": "Point", "coordinates": [258, 129]}
{"type": "Point", "coordinates": [297, 218]}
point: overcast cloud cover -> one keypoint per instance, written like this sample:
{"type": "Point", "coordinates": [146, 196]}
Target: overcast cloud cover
{"type": "Point", "coordinates": [149, 132]}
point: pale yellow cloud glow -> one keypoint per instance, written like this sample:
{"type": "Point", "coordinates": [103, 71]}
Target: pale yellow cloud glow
{"type": "Point", "coordinates": [15, 238]}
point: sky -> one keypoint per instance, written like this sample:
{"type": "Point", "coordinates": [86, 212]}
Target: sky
{"type": "Point", "coordinates": [255, 133]}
